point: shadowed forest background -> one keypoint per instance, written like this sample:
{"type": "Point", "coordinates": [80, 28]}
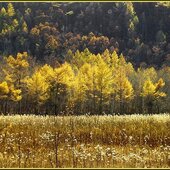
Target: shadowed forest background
{"type": "Point", "coordinates": [84, 58]}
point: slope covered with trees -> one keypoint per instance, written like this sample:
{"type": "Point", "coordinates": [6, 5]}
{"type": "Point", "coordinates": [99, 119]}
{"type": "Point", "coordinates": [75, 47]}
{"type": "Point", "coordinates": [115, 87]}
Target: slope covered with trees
{"type": "Point", "coordinates": [138, 30]}
{"type": "Point", "coordinates": [77, 58]}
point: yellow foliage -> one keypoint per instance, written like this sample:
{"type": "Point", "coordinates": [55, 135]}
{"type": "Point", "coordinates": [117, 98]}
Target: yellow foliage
{"type": "Point", "coordinates": [114, 60]}
{"type": "Point", "coordinates": [104, 78]}
{"type": "Point", "coordinates": [4, 90]}
{"type": "Point", "coordinates": [148, 88]}
{"type": "Point", "coordinates": [9, 92]}
{"type": "Point", "coordinates": [123, 88]}
{"type": "Point", "coordinates": [84, 81]}
{"type": "Point", "coordinates": [15, 94]}
{"type": "Point", "coordinates": [159, 84]}
{"type": "Point", "coordinates": [16, 68]}
{"type": "Point", "coordinates": [37, 88]}
{"type": "Point", "coordinates": [64, 74]}
{"type": "Point", "coordinates": [95, 80]}
{"type": "Point", "coordinates": [106, 56]}
{"type": "Point", "coordinates": [3, 11]}
{"type": "Point", "coordinates": [151, 89]}
{"type": "Point", "coordinates": [147, 73]}
{"type": "Point", "coordinates": [85, 76]}
{"type": "Point", "coordinates": [10, 10]}
{"type": "Point", "coordinates": [20, 61]}
{"type": "Point", "coordinates": [60, 80]}
{"type": "Point", "coordinates": [24, 27]}
{"type": "Point", "coordinates": [125, 67]}
{"type": "Point", "coordinates": [48, 72]}
{"type": "Point", "coordinates": [15, 23]}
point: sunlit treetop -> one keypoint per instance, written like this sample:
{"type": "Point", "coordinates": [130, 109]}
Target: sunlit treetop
{"type": "Point", "coordinates": [153, 90]}
{"type": "Point", "coordinates": [10, 10]}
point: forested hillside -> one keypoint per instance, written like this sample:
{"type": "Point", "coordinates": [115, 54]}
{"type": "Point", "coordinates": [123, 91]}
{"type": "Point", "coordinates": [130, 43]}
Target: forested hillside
{"type": "Point", "coordinates": [138, 30]}
{"type": "Point", "coordinates": [84, 58]}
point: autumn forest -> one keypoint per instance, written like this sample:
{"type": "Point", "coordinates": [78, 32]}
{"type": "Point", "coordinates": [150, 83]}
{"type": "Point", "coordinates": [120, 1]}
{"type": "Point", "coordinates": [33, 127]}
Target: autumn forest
{"type": "Point", "coordinates": [84, 58]}
{"type": "Point", "coordinates": [84, 85]}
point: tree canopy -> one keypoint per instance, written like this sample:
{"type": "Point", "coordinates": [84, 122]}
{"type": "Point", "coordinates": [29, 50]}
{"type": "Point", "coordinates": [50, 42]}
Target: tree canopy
{"type": "Point", "coordinates": [77, 58]}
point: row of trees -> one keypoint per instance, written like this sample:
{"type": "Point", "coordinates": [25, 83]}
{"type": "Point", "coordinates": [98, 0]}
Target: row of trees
{"type": "Point", "coordinates": [84, 83]}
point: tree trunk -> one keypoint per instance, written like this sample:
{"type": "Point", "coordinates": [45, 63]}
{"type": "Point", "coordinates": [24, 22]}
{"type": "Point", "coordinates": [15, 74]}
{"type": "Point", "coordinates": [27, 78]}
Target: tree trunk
{"type": "Point", "coordinates": [150, 107]}
{"type": "Point", "coordinates": [101, 103]}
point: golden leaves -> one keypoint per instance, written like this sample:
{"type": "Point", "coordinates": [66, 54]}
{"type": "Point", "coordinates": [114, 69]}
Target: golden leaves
{"type": "Point", "coordinates": [37, 87]}
{"type": "Point", "coordinates": [153, 90]}
{"type": "Point", "coordinates": [4, 90]}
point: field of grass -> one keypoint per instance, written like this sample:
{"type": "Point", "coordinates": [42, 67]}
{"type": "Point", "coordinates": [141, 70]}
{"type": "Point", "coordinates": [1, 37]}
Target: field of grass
{"type": "Point", "coordinates": [137, 141]}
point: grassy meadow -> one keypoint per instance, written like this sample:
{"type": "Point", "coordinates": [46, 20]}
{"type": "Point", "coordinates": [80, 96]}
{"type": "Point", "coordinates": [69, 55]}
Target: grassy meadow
{"type": "Point", "coordinates": [130, 141]}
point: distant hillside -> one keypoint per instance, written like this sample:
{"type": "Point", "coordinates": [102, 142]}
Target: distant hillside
{"type": "Point", "coordinates": [138, 30]}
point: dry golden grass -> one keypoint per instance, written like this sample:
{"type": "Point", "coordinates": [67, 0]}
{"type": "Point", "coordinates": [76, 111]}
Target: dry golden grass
{"type": "Point", "coordinates": [135, 141]}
